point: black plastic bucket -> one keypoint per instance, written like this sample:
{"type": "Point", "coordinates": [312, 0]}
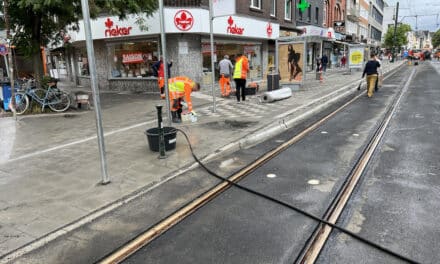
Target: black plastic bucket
{"type": "Point", "coordinates": [169, 136]}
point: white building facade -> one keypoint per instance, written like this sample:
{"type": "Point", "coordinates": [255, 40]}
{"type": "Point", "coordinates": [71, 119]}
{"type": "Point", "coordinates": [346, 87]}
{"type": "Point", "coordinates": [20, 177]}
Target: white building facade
{"type": "Point", "coordinates": [125, 53]}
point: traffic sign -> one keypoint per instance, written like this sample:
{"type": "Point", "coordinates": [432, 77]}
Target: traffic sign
{"type": "Point", "coordinates": [3, 49]}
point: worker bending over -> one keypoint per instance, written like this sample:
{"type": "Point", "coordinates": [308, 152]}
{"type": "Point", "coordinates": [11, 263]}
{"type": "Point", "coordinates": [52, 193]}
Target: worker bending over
{"type": "Point", "coordinates": [180, 89]}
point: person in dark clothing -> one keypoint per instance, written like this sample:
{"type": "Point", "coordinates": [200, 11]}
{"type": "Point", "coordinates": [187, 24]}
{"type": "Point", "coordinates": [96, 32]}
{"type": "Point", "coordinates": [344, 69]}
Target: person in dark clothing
{"type": "Point", "coordinates": [371, 71]}
{"type": "Point", "coordinates": [324, 61]}
{"type": "Point", "coordinates": [318, 64]}
{"type": "Point", "coordinates": [292, 62]}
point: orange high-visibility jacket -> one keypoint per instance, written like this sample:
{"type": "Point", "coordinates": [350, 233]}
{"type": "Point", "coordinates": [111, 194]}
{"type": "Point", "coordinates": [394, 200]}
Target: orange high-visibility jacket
{"type": "Point", "coordinates": [241, 68]}
{"type": "Point", "coordinates": [179, 87]}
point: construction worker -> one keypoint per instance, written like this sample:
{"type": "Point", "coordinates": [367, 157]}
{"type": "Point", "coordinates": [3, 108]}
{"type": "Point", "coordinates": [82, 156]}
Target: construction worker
{"type": "Point", "coordinates": [180, 89]}
{"type": "Point", "coordinates": [240, 73]}
{"type": "Point", "coordinates": [158, 67]}
{"type": "Point", "coordinates": [225, 67]}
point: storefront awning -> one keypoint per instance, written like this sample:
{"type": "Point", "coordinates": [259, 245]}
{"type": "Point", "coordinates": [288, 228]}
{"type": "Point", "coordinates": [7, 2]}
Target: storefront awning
{"type": "Point", "coordinates": [317, 39]}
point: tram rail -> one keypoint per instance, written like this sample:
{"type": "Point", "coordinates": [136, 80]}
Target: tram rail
{"type": "Point", "coordinates": [317, 240]}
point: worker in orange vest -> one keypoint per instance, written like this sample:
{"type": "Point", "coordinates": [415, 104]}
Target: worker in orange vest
{"type": "Point", "coordinates": [241, 70]}
{"type": "Point", "coordinates": [180, 89]}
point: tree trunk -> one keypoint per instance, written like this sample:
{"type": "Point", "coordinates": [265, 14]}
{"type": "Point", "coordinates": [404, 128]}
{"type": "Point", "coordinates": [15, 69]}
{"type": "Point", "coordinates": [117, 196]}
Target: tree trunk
{"type": "Point", "coordinates": [37, 59]}
{"type": "Point", "coordinates": [38, 68]}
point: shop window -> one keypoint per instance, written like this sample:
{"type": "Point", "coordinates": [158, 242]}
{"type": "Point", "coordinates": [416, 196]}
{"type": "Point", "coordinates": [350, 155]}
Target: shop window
{"type": "Point", "coordinates": [256, 4]}
{"type": "Point", "coordinates": [288, 10]}
{"type": "Point", "coordinates": [82, 62]}
{"type": "Point", "coordinates": [132, 59]}
{"type": "Point", "coordinates": [251, 51]}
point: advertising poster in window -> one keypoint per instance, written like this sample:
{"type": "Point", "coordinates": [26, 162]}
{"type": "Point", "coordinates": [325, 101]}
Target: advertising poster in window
{"type": "Point", "coordinates": [355, 57]}
{"type": "Point", "coordinates": [290, 61]}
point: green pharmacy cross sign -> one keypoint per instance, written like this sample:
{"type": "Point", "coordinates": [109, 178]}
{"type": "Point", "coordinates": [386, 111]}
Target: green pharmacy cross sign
{"type": "Point", "coordinates": [303, 5]}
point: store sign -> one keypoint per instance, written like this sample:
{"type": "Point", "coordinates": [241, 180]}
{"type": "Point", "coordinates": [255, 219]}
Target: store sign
{"type": "Point", "coordinates": [269, 29]}
{"type": "Point", "coordinates": [233, 28]}
{"type": "Point", "coordinates": [206, 48]}
{"type": "Point", "coordinates": [318, 31]}
{"type": "Point", "coordinates": [248, 49]}
{"type": "Point", "coordinates": [339, 26]}
{"type": "Point", "coordinates": [183, 20]}
{"type": "Point", "coordinates": [3, 49]}
{"type": "Point", "coordinates": [132, 58]}
{"type": "Point", "coordinates": [355, 57]}
{"type": "Point", "coordinates": [115, 31]}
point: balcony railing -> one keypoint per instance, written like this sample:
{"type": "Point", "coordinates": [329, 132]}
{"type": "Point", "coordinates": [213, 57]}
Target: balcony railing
{"type": "Point", "coordinates": [186, 3]}
{"type": "Point", "coordinates": [353, 14]}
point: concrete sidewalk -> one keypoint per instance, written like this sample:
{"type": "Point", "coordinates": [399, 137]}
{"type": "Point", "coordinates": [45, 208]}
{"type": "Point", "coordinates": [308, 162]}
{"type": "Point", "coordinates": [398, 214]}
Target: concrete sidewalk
{"type": "Point", "coordinates": [50, 167]}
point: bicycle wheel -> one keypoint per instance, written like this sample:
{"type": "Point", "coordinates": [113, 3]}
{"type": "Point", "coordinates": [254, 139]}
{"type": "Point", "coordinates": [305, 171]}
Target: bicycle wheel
{"type": "Point", "coordinates": [21, 103]}
{"type": "Point", "coordinates": [59, 101]}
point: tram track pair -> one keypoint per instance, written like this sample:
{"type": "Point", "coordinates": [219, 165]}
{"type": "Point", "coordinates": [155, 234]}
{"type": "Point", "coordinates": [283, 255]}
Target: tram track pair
{"type": "Point", "coordinates": [317, 240]}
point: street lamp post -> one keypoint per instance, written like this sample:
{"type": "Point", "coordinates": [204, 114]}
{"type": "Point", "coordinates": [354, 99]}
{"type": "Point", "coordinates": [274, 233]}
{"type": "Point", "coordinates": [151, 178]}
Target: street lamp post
{"type": "Point", "coordinates": [395, 32]}
{"type": "Point", "coordinates": [211, 37]}
{"type": "Point", "coordinates": [94, 84]}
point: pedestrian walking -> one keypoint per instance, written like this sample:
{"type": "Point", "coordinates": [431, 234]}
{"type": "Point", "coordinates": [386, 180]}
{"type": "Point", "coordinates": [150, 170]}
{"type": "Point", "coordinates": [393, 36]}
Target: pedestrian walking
{"type": "Point", "coordinates": [343, 61]}
{"type": "Point", "coordinates": [241, 70]}
{"type": "Point", "coordinates": [180, 89]}
{"type": "Point", "coordinates": [318, 64]}
{"type": "Point", "coordinates": [158, 68]}
{"type": "Point", "coordinates": [324, 61]}
{"type": "Point", "coordinates": [225, 67]}
{"type": "Point", "coordinates": [371, 71]}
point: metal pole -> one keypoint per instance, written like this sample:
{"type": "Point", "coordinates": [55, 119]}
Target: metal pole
{"type": "Point", "coordinates": [7, 65]}
{"type": "Point", "coordinates": [304, 63]}
{"type": "Point", "coordinates": [164, 56]}
{"type": "Point", "coordinates": [276, 56]}
{"type": "Point", "coordinates": [161, 133]}
{"type": "Point", "coordinates": [10, 62]}
{"type": "Point", "coordinates": [93, 80]}
{"type": "Point", "coordinates": [395, 31]}
{"type": "Point", "coordinates": [211, 37]}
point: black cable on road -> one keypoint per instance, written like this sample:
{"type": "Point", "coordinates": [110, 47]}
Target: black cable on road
{"type": "Point", "coordinates": [294, 208]}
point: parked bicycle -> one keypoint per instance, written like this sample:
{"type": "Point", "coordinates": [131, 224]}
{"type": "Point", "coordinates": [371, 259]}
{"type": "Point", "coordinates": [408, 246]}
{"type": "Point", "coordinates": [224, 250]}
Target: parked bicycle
{"type": "Point", "coordinates": [54, 98]}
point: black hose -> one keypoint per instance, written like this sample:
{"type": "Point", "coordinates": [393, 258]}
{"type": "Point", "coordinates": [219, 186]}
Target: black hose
{"type": "Point", "coordinates": [292, 207]}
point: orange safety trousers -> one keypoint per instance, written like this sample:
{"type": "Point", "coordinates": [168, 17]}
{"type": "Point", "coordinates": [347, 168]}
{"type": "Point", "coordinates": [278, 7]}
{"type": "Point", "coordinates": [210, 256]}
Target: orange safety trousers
{"type": "Point", "coordinates": [225, 85]}
{"type": "Point", "coordinates": [161, 82]}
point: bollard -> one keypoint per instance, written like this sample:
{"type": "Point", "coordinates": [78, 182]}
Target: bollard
{"type": "Point", "coordinates": [161, 136]}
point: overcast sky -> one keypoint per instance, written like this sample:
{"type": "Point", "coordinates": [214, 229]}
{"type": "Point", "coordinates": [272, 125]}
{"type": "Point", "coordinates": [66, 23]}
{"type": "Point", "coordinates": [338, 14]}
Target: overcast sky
{"type": "Point", "coordinates": [426, 10]}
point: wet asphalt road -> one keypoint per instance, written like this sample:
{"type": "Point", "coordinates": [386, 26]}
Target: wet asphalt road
{"type": "Point", "coordinates": [397, 204]}
{"type": "Point", "coordinates": [239, 227]}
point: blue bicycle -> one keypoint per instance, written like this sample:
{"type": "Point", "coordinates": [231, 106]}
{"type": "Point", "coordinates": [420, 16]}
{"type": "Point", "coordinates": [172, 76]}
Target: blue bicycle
{"type": "Point", "coordinates": [54, 98]}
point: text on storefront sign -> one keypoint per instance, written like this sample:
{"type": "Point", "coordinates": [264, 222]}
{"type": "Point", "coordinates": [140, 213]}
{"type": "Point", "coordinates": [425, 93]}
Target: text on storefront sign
{"type": "Point", "coordinates": [115, 31]}
{"type": "Point", "coordinates": [233, 29]}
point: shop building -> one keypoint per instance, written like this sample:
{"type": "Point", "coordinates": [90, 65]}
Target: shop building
{"type": "Point", "coordinates": [125, 51]}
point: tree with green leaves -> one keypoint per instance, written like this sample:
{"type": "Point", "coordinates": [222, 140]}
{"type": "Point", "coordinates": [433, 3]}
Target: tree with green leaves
{"type": "Point", "coordinates": [401, 39]}
{"type": "Point", "coordinates": [38, 23]}
{"type": "Point", "coordinates": [436, 39]}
